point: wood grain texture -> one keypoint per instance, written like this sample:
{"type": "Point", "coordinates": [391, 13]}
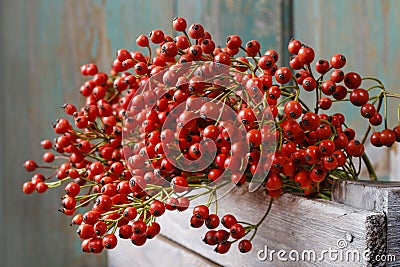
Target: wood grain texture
{"type": "Point", "coordinates": [375, 196]}
{"type": "Point", "coordinates": [295, 223]}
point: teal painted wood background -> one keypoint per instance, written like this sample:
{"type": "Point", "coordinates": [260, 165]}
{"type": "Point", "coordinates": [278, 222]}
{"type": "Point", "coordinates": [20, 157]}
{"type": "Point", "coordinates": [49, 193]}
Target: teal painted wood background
{"type": "Point", "coordinates": [43, 43]}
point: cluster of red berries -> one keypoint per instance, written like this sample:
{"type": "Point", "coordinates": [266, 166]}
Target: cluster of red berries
{"type": "Point", "coordinates": [220, 238]}
{"type": "Point", "coordinates": [189, 118]}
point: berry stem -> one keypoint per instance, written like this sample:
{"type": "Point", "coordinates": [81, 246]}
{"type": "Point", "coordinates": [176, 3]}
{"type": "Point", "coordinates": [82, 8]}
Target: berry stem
{"type": "Point", "coordinates": [370, 168]}
{"type": "Point", "coordinates": [187, 37]}
{"type": "Point", "coordinates": [266, 213]}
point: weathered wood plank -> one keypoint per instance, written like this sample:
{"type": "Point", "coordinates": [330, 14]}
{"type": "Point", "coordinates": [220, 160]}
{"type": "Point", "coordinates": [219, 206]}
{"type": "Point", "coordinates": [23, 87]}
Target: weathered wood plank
{"type": "Point", "coordinates": [375, 196]}
{"type": "Point", "coordinates": [295, 223]}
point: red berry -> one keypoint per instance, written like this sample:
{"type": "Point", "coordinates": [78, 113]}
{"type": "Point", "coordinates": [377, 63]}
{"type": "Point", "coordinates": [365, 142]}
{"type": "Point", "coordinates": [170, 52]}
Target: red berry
{"type": "Point", "coordinates": [85, 231]}
{"type": "Point", "coordinates": [222, 58]}
{"type": "Point", "coordinates": [237, 231]}
{"type": "Point", "coordinates": [138, 240]}
{"type": "Point", "coordinates": [233, 42]}
{"type": "Point", "coordinates": [228, 220]}
{"type": "Point", "coordinates": [110, 241]}
{"type": "Point", "coordinates": [30, 165]}
{"type": "Point", "coordinates": [352, 80]}
{"type": "Point", "coordinates": [310, 121]}
{"type": "Point", "coordinates": [209, 238]}
{"type": "Point", "coordinates": [157, 208]}
{"type": "Point", "coordinates": [156, 36]}
{"type": "Point", "coordinates": [338, 61]}
{"type": "Point", "coordinates": [48, 157]}
{"type": "Point", "coordinates": [253, 47]}
{"type": "Point", "coordinates": [171, 203]}
{"type": "Point", "coordinates": [329, 162]}
{"type": "Point", "coordinates": [196, 31]}
{"type": "Point", "coordinates": [179, 24]}
{"type": "Point", "coordinates": [179, 184]}
{"type": "Point", "coordinates": [337, 76]}
{"type": "Point", "coordinates": [91, 217]}
{"type": "Point", "coordinates": [396, 131]}
{"type": "Point", "coordinates": [355, 148]}
{"type": "Point", "coordinates": [376, 119]}
{"type": "Point", "coordinates": [368, 110]}
{"type": "Point", "coordinates": [359, 97]}
{"type": "Point", "coordinates": [317, 174]}
{"type": "Point", "coordinates": [309, 84]}
{"type": "Point", "coordinates": [41, 187]}
{"type": "Point", "coordinates": [28, 187]}
{"type": "Point", "coordinates": [196, 223]}
{"type": "Point", "coordinates": [223, 247]}
{"type": "Point", "coordinates": [272, 53]}
{"type": "Point", "coordinates": [169, 49]}
{"type": "Point", "coordinates": [294, 46]}
{"type": "Point", "coordinates": [183, 203]}
{"type": "Point", "coordinates": [212, 221]}
{"type": "Point", "coordinates": [142, 41]}
{"type": "Point", "coordinates": [283, 75]}
{"type": "Point", "coordinates": [125, 231]}
{"type": "Point", "coordinates": [322, 66]}
{"type": "Point", "coordinates": [69, 203]}
{"type": "Point", "coordinates": [130, 213]}
{"type": "Point", "coordinates": [244, 246]}
{"type": "Point", "coordinates": [325, 103]}
{"type": "Point", "coordinates": [375, 139]}
{"type": "Point", "coordinates": [306, 54]}
{"type": "Point", "coordinates": [266, 62]}
{"type": "Point", "coordinates": [387, 137]}
{"type": "Point", "coordinates": [340, 92]}
{"type": "Point", "coordinates": [295, 63]}
{"type": "Point", "coordinates": [100, 228]}
{"type": "Point", "coordinates": [201, 212]}
{"type": "Point", "coordinates": [139, 227]}
{"type": "Point", "coordinates": [274, 182]}
{"type": "Point", "coordinates": [328, 87]}
{"type": "Point", "coordinates": [293, 109]}
{"type": "Point", "coordinates": [123, 54]}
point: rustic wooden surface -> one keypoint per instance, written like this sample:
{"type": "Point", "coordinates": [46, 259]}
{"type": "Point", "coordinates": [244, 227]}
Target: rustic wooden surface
{"type": "Point", "coordinates": [380, 197]}
{"type": "Point", "coordinates": [295, 223]}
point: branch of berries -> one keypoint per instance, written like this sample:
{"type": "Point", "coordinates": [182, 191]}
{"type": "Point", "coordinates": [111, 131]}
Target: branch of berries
{"type": "Point", "coordinates": [158, 132]}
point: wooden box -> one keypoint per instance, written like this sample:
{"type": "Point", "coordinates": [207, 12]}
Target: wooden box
{"type": "Point", "coordinates": [359, 227]}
